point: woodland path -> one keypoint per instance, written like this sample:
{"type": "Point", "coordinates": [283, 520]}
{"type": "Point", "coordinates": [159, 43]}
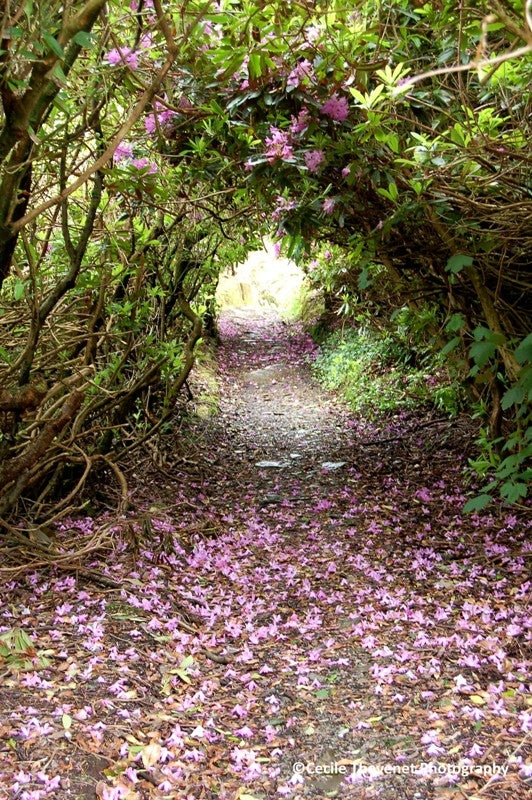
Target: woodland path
{"type": "Point", "coordinates": [304, 592]}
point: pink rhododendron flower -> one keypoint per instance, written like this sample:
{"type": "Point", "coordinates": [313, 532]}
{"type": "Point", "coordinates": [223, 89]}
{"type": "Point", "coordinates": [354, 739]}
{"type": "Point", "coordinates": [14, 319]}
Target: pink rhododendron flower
{"type": "Point", "coordinates": [328, 205]}
{"type": "Point", "coordinates": [278, 145]}
{"type": "Point", "coordinates": [146, 41]}
{"type": "Point", "coordinates": [270, 733]}
{"type": "Point", "coordinates": [184, 103]}
{"type": "Point", "coordinates": [161, 120]}
{"type": "Point", "coordinates": [312, 33]}
{"type": "Point", "coordinates": [150, 124]}
{"type": "Point", "coordinates": [336, 108]}
{"type": "Point", "coordinates": [143, 163]}
{"type": "Point", "coordinates": [113, 57]}
{"type": "Point", "coordinates": [124, 56]}
{"type": "Point", "coordinates": [302, 72]}
{"type": "Point", "coordinates": [301, 122]}
{"type": "Point", "coordinates": [214, 31]}
{"type": "Point", "coordinates": [282, 206]}
{"type": "Point", "coordinates": [132, 60]}
{"type": "Point", "coordinates": [21, 778]}
{"type": "Point", "coordinates": [114, 792]}
{"type": "Point", "coordinates": [124, 150]}
{"type": "Point", "coordinates": [525, 718]}
{"type": "Point", "coordinates": [313, 158]}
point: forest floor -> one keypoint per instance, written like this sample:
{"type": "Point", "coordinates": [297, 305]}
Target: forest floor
{"type": "Point", "coordinates": [294, 607]}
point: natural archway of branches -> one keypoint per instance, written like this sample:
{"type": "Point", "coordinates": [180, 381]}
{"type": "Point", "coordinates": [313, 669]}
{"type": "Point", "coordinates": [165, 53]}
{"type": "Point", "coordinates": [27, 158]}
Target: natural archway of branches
{"type": "Point", "coordinates": [386, 146]}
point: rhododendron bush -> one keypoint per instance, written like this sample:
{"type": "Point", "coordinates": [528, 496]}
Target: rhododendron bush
{"type": "Point", "coordinates": [198, 599]}
{"type": "Point", "coordinates": [143, 147]}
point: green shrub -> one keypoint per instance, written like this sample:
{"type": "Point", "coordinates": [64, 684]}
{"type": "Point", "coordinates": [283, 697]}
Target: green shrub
{"type": "Point", "coordinates": [505, 461]}
{"type": "Point", "coordinates": [376, 372]}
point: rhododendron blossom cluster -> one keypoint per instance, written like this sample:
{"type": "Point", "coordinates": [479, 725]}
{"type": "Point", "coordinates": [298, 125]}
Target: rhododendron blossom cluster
{"type": "Point", "coordinates": [313, 159]}
{"type": "Point", "coordinates": [278, 146]}
{"type": "Point", "coordinates": [123, 56]}
{"type": "Point", "coordinates": [337, 108]}
{"type": "Point", "coordinates": [302, 73]}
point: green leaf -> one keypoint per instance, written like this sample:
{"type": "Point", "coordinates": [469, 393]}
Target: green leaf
{"type": "Point", "coordinates": [514, 395]}
{"type": "Point", "coordinates": [84, 39]}
{"type": "Point", "coordinates": [22, 641]}
{"type": "Point", "coordinates": [393, 142]}
{"type": "Point", "coordinates": [28, 9]}
{"type": "Point", "coordinates": [524, 351]}
{"type": "Point", "coordinates": [417, 186]}
{"type": "Point", "coordinates": [457, 262]}
{"type": "Point", "coordinates": [53, 45]}
{"type": "Point", "coordinates": [254, 65]}
{"type": "Point", "coordinates": [456, 323]}
{"type": "Point", "coordinates": [187, 662]}
{"type": "Point", "coordinates": [525, 379]}
{"type": "Point", "coordinates": [477, 503]}
{"type": "Point", "coordinates": [296, 247]}
{"type": "Point", "coordinates": [5, 355]}
{"type": "Point", "coordinates": [457, 135]}
{"type": "Point", "coordinates": [58, 75]}
{"type": "Point", "coordinates": [364, 279]}
{"type": "Point", "coordinates": [512, 491]}
{"type": "Point", "coordinates": [509, 466]}
{"type": "Point", "coordinates": [391, 193]}
{"type": "Point", "coordinates": [182, 674]}
{"type": "Point", "coordinates": [182, 670]}
{"type": "Point", "coordinates": [481, 333]}
{"type": "Point", "coordinates": [374, 95]}
{"type": "Point", "coordinates": [451, 345]}
{"type": "Point", "coordinates": [359, 97]}
{"type": "Point", "coordinates": [482, 352]}
{"type": "Point", "coordinates": [18, 290]}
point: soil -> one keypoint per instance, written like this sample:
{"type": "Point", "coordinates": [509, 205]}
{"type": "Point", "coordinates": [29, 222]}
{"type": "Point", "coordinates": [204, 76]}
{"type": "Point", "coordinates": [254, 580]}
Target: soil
{"type": "Point", "coordinates": [300, 610]}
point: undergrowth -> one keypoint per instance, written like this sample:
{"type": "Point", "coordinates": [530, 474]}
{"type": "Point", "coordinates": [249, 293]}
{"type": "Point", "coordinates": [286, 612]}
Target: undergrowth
{"type": "Point", "coordinates": [376, 372]}
{"type": "Point", "coordinates": [381, 371]}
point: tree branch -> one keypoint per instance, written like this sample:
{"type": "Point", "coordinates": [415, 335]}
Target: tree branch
{"type": "Point", "coordinates": [484, 62]}
{"type": "Point", "coordinates": [146, 98]}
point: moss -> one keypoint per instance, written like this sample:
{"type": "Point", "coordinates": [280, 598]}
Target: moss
{"type": "Point", "coordinates": [206, 390]}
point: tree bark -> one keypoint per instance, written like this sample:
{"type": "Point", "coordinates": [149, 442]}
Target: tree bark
{"type": "Point", "coordinates": [24, 116]}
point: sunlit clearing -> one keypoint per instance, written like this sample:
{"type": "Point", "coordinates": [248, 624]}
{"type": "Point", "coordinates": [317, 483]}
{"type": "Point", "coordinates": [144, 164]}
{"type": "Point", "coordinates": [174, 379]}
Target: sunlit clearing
{"type": "Point", "coordinates": [261, 282]}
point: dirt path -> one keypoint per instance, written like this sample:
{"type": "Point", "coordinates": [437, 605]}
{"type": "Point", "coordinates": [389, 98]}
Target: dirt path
{"type": "Point", "coordinates": [308, 614]}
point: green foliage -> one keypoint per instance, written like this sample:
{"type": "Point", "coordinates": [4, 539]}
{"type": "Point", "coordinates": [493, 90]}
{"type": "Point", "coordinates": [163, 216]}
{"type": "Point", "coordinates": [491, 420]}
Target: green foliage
{"type": "Point", "coordinates": [484, 348]}
{"type": "Point", "coordinates": [308, 306]}
{"type": "Point", "coordinates": [456, 263]}
{"type": "Point", "coordinates": [17, 651]}
{"type": "Point", "coordinates": [505, 461]}
{"type": "Point", "coordinates": [373, 372]}
{"type": "Point", "coordinates": [202, 128]}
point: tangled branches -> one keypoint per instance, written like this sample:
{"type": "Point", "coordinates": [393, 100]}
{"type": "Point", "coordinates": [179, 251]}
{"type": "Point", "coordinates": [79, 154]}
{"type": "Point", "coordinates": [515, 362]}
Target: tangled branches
{"type": "Point", "coordinates": [106, 369]}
